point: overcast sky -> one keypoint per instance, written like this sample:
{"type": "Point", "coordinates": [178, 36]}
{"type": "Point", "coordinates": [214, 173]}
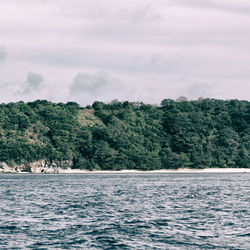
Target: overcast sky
{"type": "Point", "coordinates": [136, 50]}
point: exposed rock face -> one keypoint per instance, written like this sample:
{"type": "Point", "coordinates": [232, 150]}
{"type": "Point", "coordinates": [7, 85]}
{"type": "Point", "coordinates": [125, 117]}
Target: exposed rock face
{"type": "Point", "coordinates": [42, 166]}
{"type": "Point", "coordinates": [4, 168]}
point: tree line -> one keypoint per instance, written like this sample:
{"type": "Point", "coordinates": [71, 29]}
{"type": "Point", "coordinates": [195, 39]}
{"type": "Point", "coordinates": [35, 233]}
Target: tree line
{"type": "Point", "coordinates": [205, 133]}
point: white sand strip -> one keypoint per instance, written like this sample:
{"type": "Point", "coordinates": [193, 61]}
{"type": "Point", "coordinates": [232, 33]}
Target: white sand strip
{"type": "Point", "coordinates": [182, 170]}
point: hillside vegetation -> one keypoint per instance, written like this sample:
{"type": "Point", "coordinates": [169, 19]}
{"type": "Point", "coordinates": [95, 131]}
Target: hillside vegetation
{"type": "Point", "coordinates": [128, 135]}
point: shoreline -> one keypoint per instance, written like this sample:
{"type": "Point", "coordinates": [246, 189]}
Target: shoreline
{"type": "Point", "coordinates": [162, 171]}
{"type": "Point", "coordinates": [134, 171]}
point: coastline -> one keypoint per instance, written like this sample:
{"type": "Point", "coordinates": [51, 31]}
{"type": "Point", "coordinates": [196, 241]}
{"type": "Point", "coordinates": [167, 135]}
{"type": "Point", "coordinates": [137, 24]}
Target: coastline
{"type": "Point", "coordinates": [162, 171]}
{"type": "Point", "coordinates": [44, 167]}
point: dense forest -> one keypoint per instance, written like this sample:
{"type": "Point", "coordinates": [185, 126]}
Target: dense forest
{"type": "Point", "coordinates": [128, 135]}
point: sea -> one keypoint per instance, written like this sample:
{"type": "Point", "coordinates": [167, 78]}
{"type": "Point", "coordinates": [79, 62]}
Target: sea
{"type": "Point", "coordinates": [125, 211]}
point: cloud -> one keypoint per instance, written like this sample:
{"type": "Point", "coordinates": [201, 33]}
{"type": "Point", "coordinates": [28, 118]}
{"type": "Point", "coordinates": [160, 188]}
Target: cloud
{"type": "Point", "coordinates": [89, 83]}
{"type": "Point", "coordinates": [3, 54]}
{"type": "Point", "coordinates": [32, 84]}
{"type": "Point", "coordinates": [197, 90]}
{"type": "Point", "coordinates": [236, 7]}
{"type": "Point", "coordinates": [89, 87]}
{"type": "Point", "coordinates": [143, 14]}
{"type": "Point", "coordinates": [94, 83]}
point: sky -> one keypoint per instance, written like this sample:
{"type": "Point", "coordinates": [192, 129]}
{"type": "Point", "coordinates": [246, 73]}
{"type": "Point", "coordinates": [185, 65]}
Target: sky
{"type": "Point", "coordinates": [135, 50]}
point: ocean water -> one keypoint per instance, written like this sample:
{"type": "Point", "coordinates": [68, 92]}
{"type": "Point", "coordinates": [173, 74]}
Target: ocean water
{"type": "Point", "coordinates": [125, 211]}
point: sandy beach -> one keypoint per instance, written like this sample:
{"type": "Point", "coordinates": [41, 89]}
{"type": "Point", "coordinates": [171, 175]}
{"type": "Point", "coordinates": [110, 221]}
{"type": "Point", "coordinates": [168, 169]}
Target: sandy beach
{"type": "Point", "coordinates": [182, 170]}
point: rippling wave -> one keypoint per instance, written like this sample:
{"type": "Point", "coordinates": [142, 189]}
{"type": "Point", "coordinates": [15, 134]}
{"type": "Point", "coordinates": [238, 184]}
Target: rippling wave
{"type": "Point", "coordinates": [125, 211]}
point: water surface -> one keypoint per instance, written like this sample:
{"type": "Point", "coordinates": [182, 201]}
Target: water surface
{"type": "Point", "coordinates": [125, 211]}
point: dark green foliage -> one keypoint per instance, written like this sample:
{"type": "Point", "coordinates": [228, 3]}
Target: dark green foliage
{"type": "Point", "coordinates": [128, 135]}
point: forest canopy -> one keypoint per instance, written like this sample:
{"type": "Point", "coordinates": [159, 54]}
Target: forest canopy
{"type": "Point", "coordinates": [205, 133]}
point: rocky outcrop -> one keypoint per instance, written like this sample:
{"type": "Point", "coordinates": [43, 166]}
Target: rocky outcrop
{"type": "Point", "coordinates": [37, 167]}
{"type": "Point", "coordinates": [4, 168]}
